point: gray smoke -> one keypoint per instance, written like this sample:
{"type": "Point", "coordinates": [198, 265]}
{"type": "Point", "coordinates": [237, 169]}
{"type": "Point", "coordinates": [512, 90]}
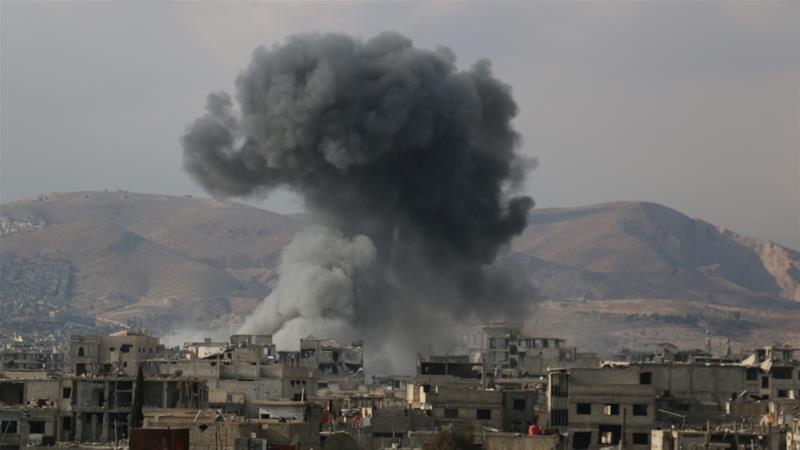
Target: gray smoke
{"type": "Point", "coordinates": [405, 161]}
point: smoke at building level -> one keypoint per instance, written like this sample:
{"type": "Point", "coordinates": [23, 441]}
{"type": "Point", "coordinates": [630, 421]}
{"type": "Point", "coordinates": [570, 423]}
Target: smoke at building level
{"type": "Point", "coordinates": [407, 165]}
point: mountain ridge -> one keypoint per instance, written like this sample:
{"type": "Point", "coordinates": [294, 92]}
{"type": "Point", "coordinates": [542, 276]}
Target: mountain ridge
{"type": "Point", "coordinates": [171, 260]}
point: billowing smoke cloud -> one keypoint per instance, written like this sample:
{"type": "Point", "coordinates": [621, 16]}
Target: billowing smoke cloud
{"type": "Point", "coordinates": [405, 161]}
{"type": "Point", "coordinates": [316, 289]}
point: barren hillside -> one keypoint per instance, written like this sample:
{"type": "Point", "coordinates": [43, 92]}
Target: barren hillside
{"type": "Point", "coordinates": [177, 261]}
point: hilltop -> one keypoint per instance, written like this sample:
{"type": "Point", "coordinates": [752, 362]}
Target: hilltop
{"type": "Point", "coordinates": [646, 250]}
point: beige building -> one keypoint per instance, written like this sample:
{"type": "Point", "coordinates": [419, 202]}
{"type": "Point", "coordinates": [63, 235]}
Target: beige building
{"type": "Point", "coordinates": [37, 407]}
{"type": "Point", "coordinates": [509, 352]}
{"type": "Point", "coordinates": [456, 404]}
{"type": "Point", "coordinates": [119, 353]}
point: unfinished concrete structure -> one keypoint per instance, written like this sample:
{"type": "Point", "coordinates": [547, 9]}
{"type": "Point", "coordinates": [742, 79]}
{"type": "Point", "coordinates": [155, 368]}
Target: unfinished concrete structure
{"type": "Point", "coordinates": [622, 402]}
{"type": "Point", "coordinates": [251, 347]}
{"type": "Point", "coordinates": [774, 372]}
{"type": "Point", "coordinates": [118, 353]}
{"type": "Point", "coordinates": [239, 373]}
{"type": "Point", "coordinates": [719, 439]}
{"type": "Point", "coordinates": [454, 404]}
{"type": "Point", "coordinates": [37, 407]}
{"type": "Point", "coordinates": [31, 359]}
{"type": "Point", "coordinates": [509, 352]}
{"type": "Point", "coordinates": [601, 407]}
{"type": "Point", "coordinates": [211, 429]}
{"type": "Point", "coordinates": [334, 361]}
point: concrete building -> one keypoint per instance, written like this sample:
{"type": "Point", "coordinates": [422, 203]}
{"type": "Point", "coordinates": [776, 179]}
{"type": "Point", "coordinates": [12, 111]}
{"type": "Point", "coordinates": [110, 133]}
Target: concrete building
{"type": "Point", "coordinates": [334, 361]}
{"type": "Point", "coordinates": [38, 407]}
{"type": "Point", "coordinates": [456, 404]}
{"type": "Point", "coordinates": [31, 359]}
{"type": "Point", "coordinates": [774, 372]}
{"type": "Point", "coordinates": [509, 352]}
{"type": "Point", "coordinates": [521, 408]}
{"type": "Point", "coordinates": [118, 353]}
{"type": "Point", "coordinates": [491, 441]}
{"type": "Point", "coordinates": [721, 439]}
{"type": "Point", "coordinates": [622, 402]}
{"type": "Point", "coordinates": [212, 430]}
{"type": "Point", "coordinates": [601, 407]}
{"type": "Point", "coordinates": [239, 373]}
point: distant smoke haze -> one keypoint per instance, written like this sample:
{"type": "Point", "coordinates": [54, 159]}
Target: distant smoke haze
{"type": "Point", "coordinates": [407, 164]}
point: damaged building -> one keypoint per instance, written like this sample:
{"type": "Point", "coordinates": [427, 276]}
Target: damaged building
{"type": "Point", "coordinates": [39, 407]}
{"type": "Point", "coordinates": [118, 353]}
{"type": "Point", "coordinates": [509, 352]}
{"type": "Point", "coordinates": [619, 403]}
{"type": "Point", "coordinates": [334, 361]}
{"type": "Point", "coordinates": [239, 373]}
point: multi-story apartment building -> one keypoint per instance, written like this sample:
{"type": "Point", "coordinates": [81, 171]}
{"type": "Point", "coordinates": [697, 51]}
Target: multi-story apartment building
{"type": "Point", "coordinates": [118, 353]}
{"type": "Point", "coordinates": [509, 352]}
{"type": "Point", "coordinates": [42, 408]}
{"type": "Point", "coordinates": [774, 373]}
{"type": "Point", "coordinates": [603, 406]}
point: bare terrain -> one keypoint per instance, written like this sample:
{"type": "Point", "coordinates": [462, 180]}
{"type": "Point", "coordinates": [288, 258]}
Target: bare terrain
{"type": "Point", "coordinates": [607, 275]}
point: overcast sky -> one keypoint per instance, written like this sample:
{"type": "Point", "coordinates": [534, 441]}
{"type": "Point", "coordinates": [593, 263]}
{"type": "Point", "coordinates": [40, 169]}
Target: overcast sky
{"type": "Point", "coordinates": [693, 105]}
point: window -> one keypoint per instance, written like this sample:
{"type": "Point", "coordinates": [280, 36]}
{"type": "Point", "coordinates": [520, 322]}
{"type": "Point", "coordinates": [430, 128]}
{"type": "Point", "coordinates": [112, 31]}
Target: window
{"type": "Point", "coordinates": [765, 382]}
{"type": "Point", "coordinates": [583, 409]}
{"type": "Point", "coordinates": [611, 409]}
{"type": "Point", "coordinates": [519, 404]}
{"type": "Point", "coordinates": [66, 392]}
{"type": "Point", "coordinates": [610, 434]}
{"type": "Point", "coordinates": [451, 413]}
{"type": "Point", "coordinates": [80, 351]}
{"type": "Point", "coordinates": [125, 348]}
{"type": "Point", "coordinates": [641, 439]}
{"type": "Point", "coordinates": [483, 414]}
{"type": "Point", "coordinates": [581, 440]}
{"type": "Point", "coordinates": [782, 373]}
{"type": "Point", "coordinates": [645, 378]}
{"type": "Point", "coordinates": [66, 423]}
{"type": "Point", "coordinates": [8, 426]}
{"type": "Point", "coordinates": [639, 410]}
{"type": "Point", "coordinates": [36, 427]}
{"type": "Point", "coordinates": [782, 393]}
{"type": "Point", "coordinates": [752, 374]}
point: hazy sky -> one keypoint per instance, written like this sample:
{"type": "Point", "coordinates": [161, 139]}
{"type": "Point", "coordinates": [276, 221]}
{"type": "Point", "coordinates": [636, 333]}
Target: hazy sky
{"type": "Point", "coordinates": [693, 105]}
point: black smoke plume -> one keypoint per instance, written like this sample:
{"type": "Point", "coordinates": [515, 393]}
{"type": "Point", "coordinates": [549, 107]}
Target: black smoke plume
{"type": "Point", "coordinates": [406, 164]}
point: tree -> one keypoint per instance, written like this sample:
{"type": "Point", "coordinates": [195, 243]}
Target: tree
{"type": "Point", "coordinates": [137, 413]}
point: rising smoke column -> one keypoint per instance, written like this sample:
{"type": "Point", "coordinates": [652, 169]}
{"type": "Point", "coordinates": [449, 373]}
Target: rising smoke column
{"type": "Point", "coordinates": [403, 160]}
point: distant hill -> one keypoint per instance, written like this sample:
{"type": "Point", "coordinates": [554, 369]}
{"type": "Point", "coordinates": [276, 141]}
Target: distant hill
{"type": "Point", "coordinates": [172, 261]}
{"type": "Point", "coordinates": [162, 259]}
{"type": "Point", "coordinates": [646, 250]}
